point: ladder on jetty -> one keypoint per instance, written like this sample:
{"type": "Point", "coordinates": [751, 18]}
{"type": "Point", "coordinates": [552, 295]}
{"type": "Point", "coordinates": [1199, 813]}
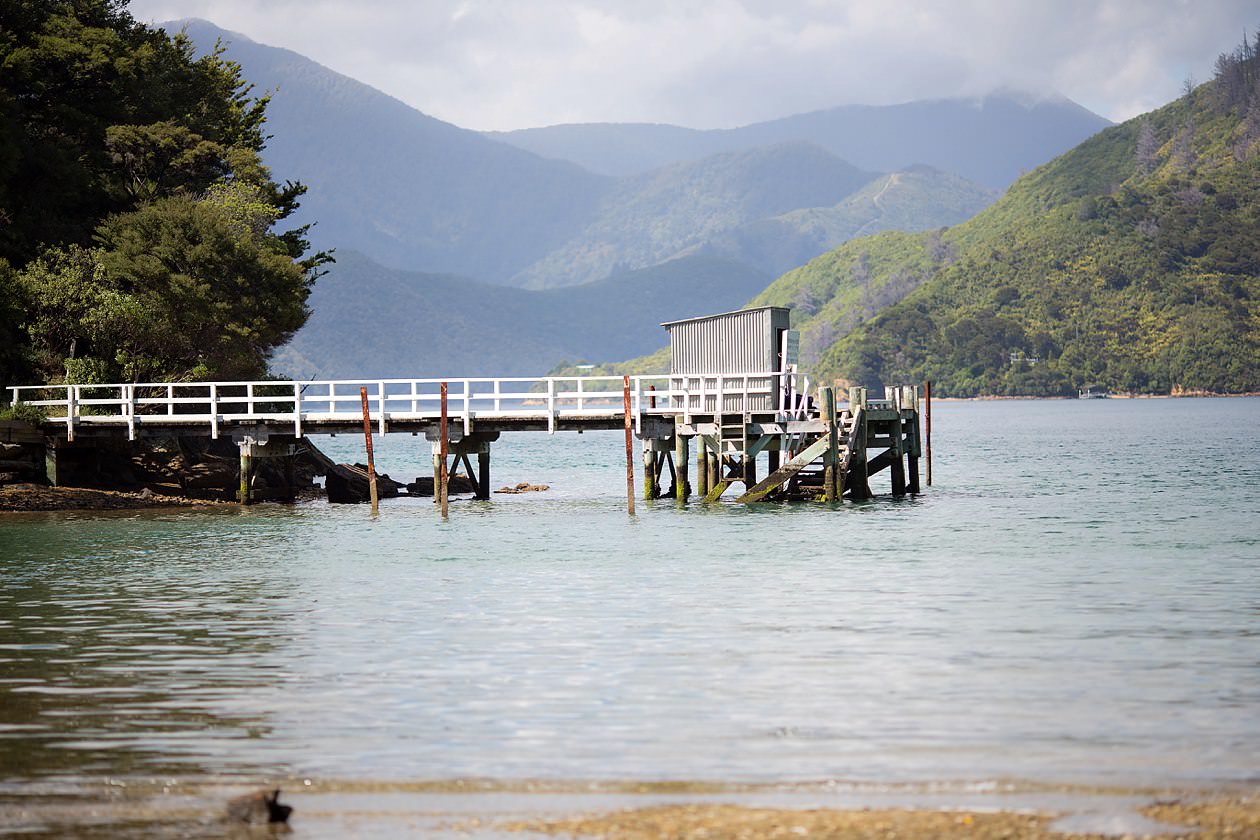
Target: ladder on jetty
{"type": "Point", "coordinates": [813, 448]}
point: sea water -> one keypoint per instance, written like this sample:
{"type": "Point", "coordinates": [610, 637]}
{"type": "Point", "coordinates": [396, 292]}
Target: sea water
{"type": "Point", "coordinates": [1075, 600]}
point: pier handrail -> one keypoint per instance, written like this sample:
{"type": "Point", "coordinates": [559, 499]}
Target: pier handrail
{"type": "Point", "coordinates": [219, 404]}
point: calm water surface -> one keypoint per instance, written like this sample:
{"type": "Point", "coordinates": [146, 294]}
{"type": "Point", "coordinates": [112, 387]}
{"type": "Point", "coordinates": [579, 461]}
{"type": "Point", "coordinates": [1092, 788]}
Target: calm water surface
{"type": "Point", "coordinates": [1077, 599]}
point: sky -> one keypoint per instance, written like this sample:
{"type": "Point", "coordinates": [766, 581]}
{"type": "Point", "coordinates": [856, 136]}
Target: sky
{"type": "Point", "coordinates": [507, 64]}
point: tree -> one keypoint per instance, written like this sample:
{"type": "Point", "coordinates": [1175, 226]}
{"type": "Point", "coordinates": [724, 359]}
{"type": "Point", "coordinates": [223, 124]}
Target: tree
{"type": "Point", "coordinates": [135, 210]}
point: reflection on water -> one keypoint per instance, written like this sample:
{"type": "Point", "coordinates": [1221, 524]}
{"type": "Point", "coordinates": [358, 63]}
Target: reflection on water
{"type": "Point", "coordinates": [1067, 604]}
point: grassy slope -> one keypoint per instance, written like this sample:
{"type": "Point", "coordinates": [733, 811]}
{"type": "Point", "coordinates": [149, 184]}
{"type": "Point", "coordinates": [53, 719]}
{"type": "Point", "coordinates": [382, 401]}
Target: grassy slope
{"type": "Point", "coordinates": [1143, 281]}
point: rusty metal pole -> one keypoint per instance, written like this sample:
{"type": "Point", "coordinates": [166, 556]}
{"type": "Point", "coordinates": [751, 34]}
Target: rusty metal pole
{"type": "Point", "coordinates": [367, 437]}
{"type": "Point", "coordinates": [629, 445]}
{"type": "Point", "coordinates": [927, 410]}
{"type": "Point", "coordinates": [443, 477]}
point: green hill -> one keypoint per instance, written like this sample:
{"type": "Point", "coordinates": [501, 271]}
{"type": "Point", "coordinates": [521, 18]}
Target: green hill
{"type": "Point", "coordinates": [915, 199]}
{"type": "Point", "coordinates": [1132, 261]}
{"type": "Point", "coordinates": [651, 218]}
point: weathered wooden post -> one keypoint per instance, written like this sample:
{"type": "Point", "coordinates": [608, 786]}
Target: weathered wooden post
{"type": "Point", "coordinates": [650, 490]}
{"type": "Point", "coordinates": [483, 471]}
{"type": "Point", "coordinates": [927, 410]}
{"type": "Point", "coordinates": [829, 462]}
{"type": "Point", "coordinates": [629, 444]}
{"type": "Point", "coordinates": [442, 482]}
{"type": "Point", "coordinates": [916, 441]}
{"type": "Point", "coordinates": [681, 486]}
{"type": "Point", "coordinates": [702, 466]}
{"type": "Point", "coordinates": [244, 493]}
{"type": "Point", "coordinates": [897, 433]}
{"type": "Point", "coordinates": [371, 464]}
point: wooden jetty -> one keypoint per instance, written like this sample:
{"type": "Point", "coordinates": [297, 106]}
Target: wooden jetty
{"type": "Point", "coordinates": [734, 398]}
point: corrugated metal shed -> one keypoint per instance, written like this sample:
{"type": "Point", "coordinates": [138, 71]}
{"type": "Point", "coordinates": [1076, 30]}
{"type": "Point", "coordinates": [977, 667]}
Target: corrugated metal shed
{"type": "Point", "coordinates": [746, 341]}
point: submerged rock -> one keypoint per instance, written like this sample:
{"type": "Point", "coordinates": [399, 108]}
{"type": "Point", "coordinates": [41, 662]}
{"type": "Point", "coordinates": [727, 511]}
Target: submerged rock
{"type": "Point", "coordinates": [524, 487]}
{"type": "Point", "coordinates": [261, 806]}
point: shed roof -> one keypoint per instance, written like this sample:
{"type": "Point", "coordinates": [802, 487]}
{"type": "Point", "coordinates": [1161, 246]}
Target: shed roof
{"type": "Point", "coordinates": [669, 324]}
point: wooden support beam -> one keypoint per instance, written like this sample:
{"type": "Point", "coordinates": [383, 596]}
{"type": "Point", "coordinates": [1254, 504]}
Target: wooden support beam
{"type": "Point", "coordinates": [781, 476]}
{"type": "Point", "coordinates": [829, 462]}
{"type": "Point", "coordinates": [472, 477]}
{"type": "Point", "coordinates": [897, 451]}
{"type": "Point", "coordinates": [927, 409]}
{"type": "Point", "coordinates": [856, 483]}
{"type": "Point", "coordinates": [702, 466]}
{"type": "Point", "coordinates": [367, 438]}
{"type": "Point", "coordinates": [442, 488]}
{"type": "Point", "coordinates": [912, 458]}
{"type": "Point", "coordinates": [629, 444]}
{"type": "Point", "coordinates": [681, 458]}
{"type": "Point", "coordinates": [244, 493]}
{"type": "Point", "coordinates": [650, 473]}
{"type": "Point", "coordinates": [483, 473]}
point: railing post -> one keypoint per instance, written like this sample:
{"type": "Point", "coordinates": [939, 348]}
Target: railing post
{"type": "Point", "coordinates": [170, 399]}
{"type": "Point", "coordinates": [214, 411]}
{"type": "Point", "coordinates": [468, 406]}
{"type": "Point", "coordinates": [297, 410]}
{"type": "Point", "coordinates": [71, 408]}
{"type": "Point", "coordinates": [551, 406]}
{"type": "Point", "coordinates": [130, 392]}
{"type": "Point", "coordinates": [581, 398]}
{"type": "Point", "coordinates": [498, 403]}
{"type": "Point", "coordinates": [249, 398]}
{"type": "Point", "coordinates": [381, 403]}
{"type": "Point", "coordinates": [638, 406]}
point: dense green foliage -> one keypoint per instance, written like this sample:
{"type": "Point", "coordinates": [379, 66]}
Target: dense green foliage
{"type": "Point", "coordinates": [1132, 261]}
{"type": "Point", "coordinates": [136, 216]}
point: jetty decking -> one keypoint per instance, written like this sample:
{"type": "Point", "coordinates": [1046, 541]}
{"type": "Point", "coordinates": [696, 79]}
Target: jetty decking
{"type": "Point", "coordinates": [813, 447]}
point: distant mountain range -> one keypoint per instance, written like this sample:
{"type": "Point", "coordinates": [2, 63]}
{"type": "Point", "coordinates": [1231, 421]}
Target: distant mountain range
{"type": "Point", "coordinates": [442, 219]}
{"type": "Point", "coordinates": [991, 140]}
{"type": "Point", "coordinates": [372, 321]}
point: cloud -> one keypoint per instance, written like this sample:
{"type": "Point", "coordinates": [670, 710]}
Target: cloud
{"type": "Point", "coordinates": [707, 63]}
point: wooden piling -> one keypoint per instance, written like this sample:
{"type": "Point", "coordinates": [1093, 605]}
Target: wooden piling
{"type": "Point", "coordinates": [714, 467]}
{"type": "Point", "coordinates": [442, 488]}
{"type": "Point", "coordinates": [897, 469]}
{"type": "Point", "coordinates": [830, 459]}
{"type": "Point", "coordinates": [702, 466]}
{"type": "Point", "coordinates": [625, 390]}
{"type": "Point", "coordinates": [483, 472]}
{"type": "Point", "coordinates": [649, 471]}
{"type": "Point", "coordinates": [681, 485]}
{"type": "Point", "coordinates": [371, 464]}
{"type": "Point", "coordinates": [927, 413]}
{"type": "Point", "coordinates": [244, 493]}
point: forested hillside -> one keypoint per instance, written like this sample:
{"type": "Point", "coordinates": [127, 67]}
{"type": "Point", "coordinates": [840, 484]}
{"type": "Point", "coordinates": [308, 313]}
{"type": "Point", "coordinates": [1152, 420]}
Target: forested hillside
{"type": "Point", "coordinates": [137, 222]}
{"type": "Point", "coordinates": [1131, 261]}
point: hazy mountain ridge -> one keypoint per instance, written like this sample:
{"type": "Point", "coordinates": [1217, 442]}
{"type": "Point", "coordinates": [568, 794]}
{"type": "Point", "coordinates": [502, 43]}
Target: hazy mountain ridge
{"type": "Point", "coordinates": [653, 217]}
{"type": "Point", "coordinates": [416, 193]}
{"type": "Point", "coordinates": [991, 140]}
{"type": "Point", "coordinates": [408, 189]}
{"type": "Point", "coordinates": [369, 320]}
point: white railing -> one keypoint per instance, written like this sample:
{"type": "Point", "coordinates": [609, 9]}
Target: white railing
{"type": "Point", "coordinates": [220, 404]}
